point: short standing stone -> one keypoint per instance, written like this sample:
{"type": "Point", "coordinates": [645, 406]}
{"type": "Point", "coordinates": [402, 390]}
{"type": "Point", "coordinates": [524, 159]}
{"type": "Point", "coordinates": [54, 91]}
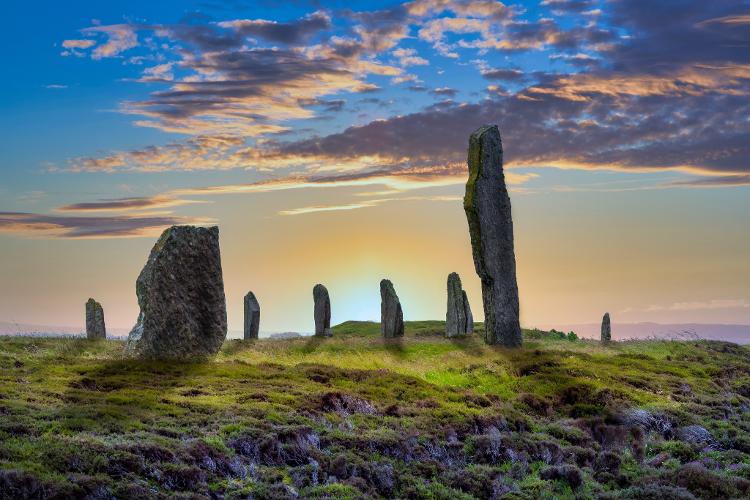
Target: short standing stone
{"type": "Point", "coordinates": [322, 311]}
{"type": "Point", "coordinates": [488, 212]}
{"type": "Point", "coordinates": [458, 318]}
{"type": "Point", "coordinates": [95, 328]}
{"type": "Point", "coordinates": [606, 328]}
{"type": "Point", "coordinates": [391, 315]}
{"type": "Point", "coordinates": [181, 295]}
{"type": "Point", "coordinates": [252, 316]}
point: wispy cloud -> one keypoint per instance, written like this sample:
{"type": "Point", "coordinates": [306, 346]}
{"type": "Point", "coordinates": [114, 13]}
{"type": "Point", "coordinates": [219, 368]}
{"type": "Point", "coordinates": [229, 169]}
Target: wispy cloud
{"type": "Point", "coordinates": [702, 305]}
{"type": "Point", "coordinates": [366, 204]}
{"type": "Point", "coordinates": [50, 226]}
{"type": "Point", "coordinates": [127, 204]}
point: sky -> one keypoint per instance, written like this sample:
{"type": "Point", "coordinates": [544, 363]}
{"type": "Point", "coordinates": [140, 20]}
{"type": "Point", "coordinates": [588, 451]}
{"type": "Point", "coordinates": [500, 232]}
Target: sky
{"type": "Point", "coordinates": [327, 140]}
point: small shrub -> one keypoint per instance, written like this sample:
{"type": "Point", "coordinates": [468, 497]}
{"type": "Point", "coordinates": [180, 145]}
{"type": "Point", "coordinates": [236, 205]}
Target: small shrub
{"type": "Point", "coordinates": [703, 482]}
{"type": "Point", "coordinates": [608, 461]}
{"type": "Point", "coordinates": [679, 450]}
{"type": "Point", "coordinates": [568, 473]}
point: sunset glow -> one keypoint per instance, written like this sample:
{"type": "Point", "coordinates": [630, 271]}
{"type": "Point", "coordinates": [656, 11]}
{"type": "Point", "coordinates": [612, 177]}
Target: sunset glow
{"type": "Point", "coordinates": [327, 140]}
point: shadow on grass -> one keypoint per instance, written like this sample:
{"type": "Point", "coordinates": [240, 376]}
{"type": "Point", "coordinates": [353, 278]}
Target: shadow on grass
{"type": "Point", "coordinates": [234, 346]}
{"type": "Point", "coordinates": [469, 344]}
{"type": "Point", "coordinates": [395, 346]}
{"type": "Point", "coordinates": [312, 344]}
{"type": "Point", "coordinates": [120, 395]}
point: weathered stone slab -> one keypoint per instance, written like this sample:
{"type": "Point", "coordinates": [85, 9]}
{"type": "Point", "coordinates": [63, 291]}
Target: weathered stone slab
{"type": "Point", "coordinates": [322, 311]}
{"type": "Point", "coordinates": [606, 328]}
{"type": "Point", "coordinates": [252, 316]}
{"type": "Point", "coordinates": [458, 316]}
{"type": "Point", "coordinates": [95, 328]}
{"type": "Point", "coordinates": [181, 295]}
{"type": "Point", "coordinates": [488, 212]}
{"type": "Point", "coordinates": [391, 315]}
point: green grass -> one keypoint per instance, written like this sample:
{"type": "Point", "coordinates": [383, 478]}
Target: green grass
{"type": "Point", "coordinates": [356, 415]}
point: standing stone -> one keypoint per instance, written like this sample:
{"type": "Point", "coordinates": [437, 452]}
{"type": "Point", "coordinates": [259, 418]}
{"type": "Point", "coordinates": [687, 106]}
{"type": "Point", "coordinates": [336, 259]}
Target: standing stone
{"type": "Point", "coordinates": [469, 316]}
{"type": "Point", "coordinates": [322, 311]}
{"type": "Point", "coordinates": [252, 316]}
{"type": "Point", "coordinates": [181, 295]}
{"type": "Point", "coordinates": [606, 328]}
{"type": "Point", "coordinates": [95, 328]}
{"type": "Point", "coordinates": [391, 315]}
{"type": "Point", "coordinates": [458, 318]}
{"type": "Point", "coordinates": [488, 212]}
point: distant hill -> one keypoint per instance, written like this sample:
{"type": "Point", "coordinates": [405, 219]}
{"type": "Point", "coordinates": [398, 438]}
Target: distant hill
{"type": "Point", "coordinates": [739, 334]}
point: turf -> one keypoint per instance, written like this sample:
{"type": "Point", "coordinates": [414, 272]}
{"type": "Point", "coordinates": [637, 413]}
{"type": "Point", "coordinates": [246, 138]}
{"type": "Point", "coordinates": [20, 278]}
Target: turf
{"type": "Point", "coordinates": [356, 416]}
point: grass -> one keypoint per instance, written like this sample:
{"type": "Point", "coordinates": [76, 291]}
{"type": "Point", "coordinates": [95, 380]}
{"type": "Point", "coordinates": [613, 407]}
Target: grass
{"type": "Point", "coordinates": [357, 416]}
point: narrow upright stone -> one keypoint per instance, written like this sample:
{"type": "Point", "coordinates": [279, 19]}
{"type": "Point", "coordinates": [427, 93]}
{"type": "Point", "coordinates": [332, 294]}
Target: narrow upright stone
{"type": "Point", "coordinates": [469, 316]}
{"type": "Point", "coordinates": [391, 315]}
{"type": "Point", "coordinates": [488, 212]}
{"type": "Point", "coordinates": [252, 316]}
{"type": "Point", "coordinates": [606, 329]}
{"type": "Point", "coordinates": [458, 318]}
{"type": "Point", "coordinates": [181, 295]}
{"type": "Point", "coordinates": [322, 311]}
{"type": "Point", "coordinates": [95, 328]}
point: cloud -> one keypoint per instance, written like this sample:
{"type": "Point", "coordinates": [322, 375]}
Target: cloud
{"type": "Point", "coordinates": [651, 87]}
{"type": "Point", "coordinates": [119, 38]}
{"type": "Point", "coordinates": [78, 44]}
{"type": "Point", "coordinates": [50, 226]}
{"type": "Point", "coordinates": [367, 204]}
{"type": "Point", "coordinates": [127, 204]}
{"type": "Point", "coordinates": [198, 153]}
{"type": "Point", "coordinates": [694, 133]}
{"type": "Point", "coordinates": [250, 91]}
{"type": "Point", "coordinates": [293, 33]}
{"type": "Point", "coordinates": [444, 92]}
{"type": "Point", "coordinates": [702, 305]}
{"type": "Point", "coordinates": [506, 74]}
{"type": "Point", "coordinates": [409, 57]}
{"type": "Point", "coordinates": [55, 86]}
{"type": "Point", "coordinates": [712, 182]}
{"type": "Point", "coordinates": [562, 6]}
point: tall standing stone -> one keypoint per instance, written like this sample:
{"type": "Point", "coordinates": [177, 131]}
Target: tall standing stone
{"type": "Point", "coordinates": [458, 318]}
{"type": "Point", "coordinates": [252, 316]}
{"type": "Point", "coordinates": [391, 315]}
{"type": "Point", "coordinates": [95, 328]}
{"type": "Point", "coordinates": [488, 212]}
{"type": "Point", "coordinates": [322, 311]}
{"type": "Point", "coordinates": [606, 328]}
{"type": "Point", "coordinates": [181, 295]}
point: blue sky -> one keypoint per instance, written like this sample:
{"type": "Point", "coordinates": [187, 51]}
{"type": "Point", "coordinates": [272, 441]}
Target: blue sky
{"type": "Point", "coordinates": [121, 118]}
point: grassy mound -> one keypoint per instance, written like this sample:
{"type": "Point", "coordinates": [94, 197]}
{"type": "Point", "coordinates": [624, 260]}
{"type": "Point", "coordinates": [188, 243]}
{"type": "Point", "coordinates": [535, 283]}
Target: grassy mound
{"type": "Point", "coordinates": [355, 416]}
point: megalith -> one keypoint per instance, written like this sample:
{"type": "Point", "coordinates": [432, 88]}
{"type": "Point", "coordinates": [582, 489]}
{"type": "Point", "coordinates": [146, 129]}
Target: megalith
{"type": "Point", "coordinates": [322, 311]}
{"type": "Point", "coordinates": [95, 328]}
{"type": "Point", "coordinates": [391, 315]}
{"type": "Point", "coordinates": [606, 328]}
{"type": "Point", "coordinates": [252, 316]}
{"type": "Point", "coordinates": [181, 296]}
{"type": "Point", "coordinates": [488, 212]}
{"type": "Point", "coordinates": [458, 318]}
{"type": "Point", "coordinates": [469, 316]}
